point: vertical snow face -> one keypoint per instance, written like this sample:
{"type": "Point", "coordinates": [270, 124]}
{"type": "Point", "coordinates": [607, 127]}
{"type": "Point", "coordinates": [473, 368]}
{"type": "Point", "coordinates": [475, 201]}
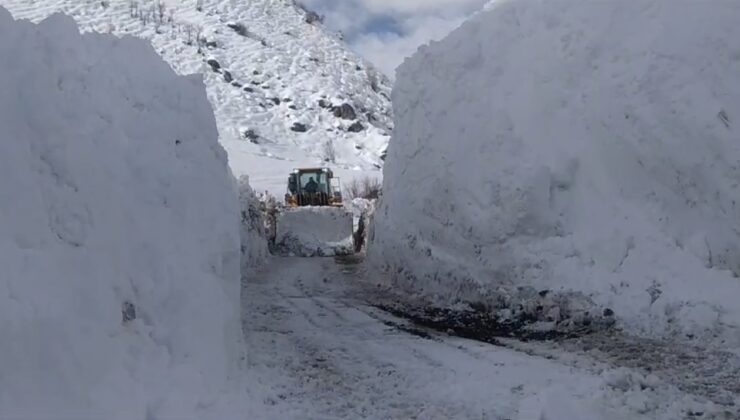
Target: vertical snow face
{"type": "Point", "coordinates": [585, 148]}
{"type": "Point", "coordinates": [119, 231]}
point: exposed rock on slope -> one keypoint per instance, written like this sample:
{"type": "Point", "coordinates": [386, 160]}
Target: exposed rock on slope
{"type": "Point", "coordinates": [252, 52]}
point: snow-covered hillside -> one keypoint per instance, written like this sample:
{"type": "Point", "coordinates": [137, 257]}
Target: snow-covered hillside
{"type": "Point", "coordinates": [579, 149]}
{"type": "Point", "coordinates": [119, 232]}
{"type": "Point", "coordinates": [285, 91]}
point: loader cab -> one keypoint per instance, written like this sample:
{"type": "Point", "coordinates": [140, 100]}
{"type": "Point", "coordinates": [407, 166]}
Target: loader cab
{"type": "Point", "coordinates": [313, 187]}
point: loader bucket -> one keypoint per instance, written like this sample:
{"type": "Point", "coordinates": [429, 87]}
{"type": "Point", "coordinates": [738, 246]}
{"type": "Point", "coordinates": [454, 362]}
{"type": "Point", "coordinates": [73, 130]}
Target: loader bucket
{"type": "Point", "coordinates": [315, 231]}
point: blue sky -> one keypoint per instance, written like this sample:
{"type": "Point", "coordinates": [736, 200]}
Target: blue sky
{"type": "Point", "coordinates": [387, 31]}
{"type": "Point", "coordinates": [381, 24]}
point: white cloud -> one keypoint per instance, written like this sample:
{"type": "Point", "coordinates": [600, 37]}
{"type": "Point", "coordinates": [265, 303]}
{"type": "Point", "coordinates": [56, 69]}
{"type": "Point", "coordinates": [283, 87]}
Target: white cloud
{"type": "Point", "coordinates": [388, 50]}
{"type": "Point", "coordinates": [417, 7]}
{"type": "Point", "coordinates": [414, 23]}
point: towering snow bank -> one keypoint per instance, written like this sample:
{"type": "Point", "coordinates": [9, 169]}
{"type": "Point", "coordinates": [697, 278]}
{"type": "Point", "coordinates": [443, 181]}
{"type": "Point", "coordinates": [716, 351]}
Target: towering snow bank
{"type": "Point", "coordinates": [119, 235]}
{"type": "Point", "coordinates": [579, 147]}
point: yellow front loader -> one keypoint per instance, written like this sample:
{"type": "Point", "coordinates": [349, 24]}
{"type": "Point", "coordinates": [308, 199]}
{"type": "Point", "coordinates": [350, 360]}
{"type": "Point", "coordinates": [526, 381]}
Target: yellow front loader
{"type": "Point", "coordinates": [315, 221]}
{"type": "Point", "coordinates": [313, 187]}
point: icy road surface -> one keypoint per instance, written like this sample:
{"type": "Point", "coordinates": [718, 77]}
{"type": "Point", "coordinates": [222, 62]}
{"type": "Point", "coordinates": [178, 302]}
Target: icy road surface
{"type": "Point", "coordinates": [318, 350]}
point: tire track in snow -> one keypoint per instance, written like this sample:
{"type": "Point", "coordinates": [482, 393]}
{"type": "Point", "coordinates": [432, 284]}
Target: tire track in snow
{"type": "Point", "coordinates": [322, 351]}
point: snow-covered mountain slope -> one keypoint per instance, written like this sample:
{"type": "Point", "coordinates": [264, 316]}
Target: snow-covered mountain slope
{"type": "Point", "coordinates": [119, 232]}
{"type": "Point", "coordinates": [574, 148]}
{"type": "Point", "coordinates": [286, 92]}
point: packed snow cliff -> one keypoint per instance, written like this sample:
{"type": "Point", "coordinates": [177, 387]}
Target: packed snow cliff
{"type": "Point", "coordinates": [574, 158]}
{"type": "Point", "coordinates": [119, 232]}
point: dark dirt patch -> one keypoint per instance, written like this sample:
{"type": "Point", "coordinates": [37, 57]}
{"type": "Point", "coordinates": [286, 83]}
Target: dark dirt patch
{"type": "Point", "coordinates": [350, 264]}
{"type": "Point", "coordinates": [352, 259]}
{"type": "Point", "coordinates": [474, 325]}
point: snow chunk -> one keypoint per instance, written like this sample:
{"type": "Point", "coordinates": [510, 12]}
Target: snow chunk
{"type": "Point", "coordinates": [573, 147]}
{"type": "Point", "coordinates": [119, 232]}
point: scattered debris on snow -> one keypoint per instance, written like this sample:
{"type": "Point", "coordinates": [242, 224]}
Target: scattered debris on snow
{"type": "Point", "coordinates": [254, 240]}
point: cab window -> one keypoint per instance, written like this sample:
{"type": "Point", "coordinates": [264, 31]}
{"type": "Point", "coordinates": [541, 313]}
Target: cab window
{"type": "Point", "coordinates": [319, 178]}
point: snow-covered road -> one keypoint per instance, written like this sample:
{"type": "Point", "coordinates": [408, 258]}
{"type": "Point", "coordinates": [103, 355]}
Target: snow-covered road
{"type": "Point", "coordinates": [318, 350]}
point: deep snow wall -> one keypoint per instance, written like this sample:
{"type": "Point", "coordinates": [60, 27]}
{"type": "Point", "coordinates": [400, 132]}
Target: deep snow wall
{"type": "Point", "coordinates": [119, 232]}
{"type": "Point", "coordinates": [585, 148]}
